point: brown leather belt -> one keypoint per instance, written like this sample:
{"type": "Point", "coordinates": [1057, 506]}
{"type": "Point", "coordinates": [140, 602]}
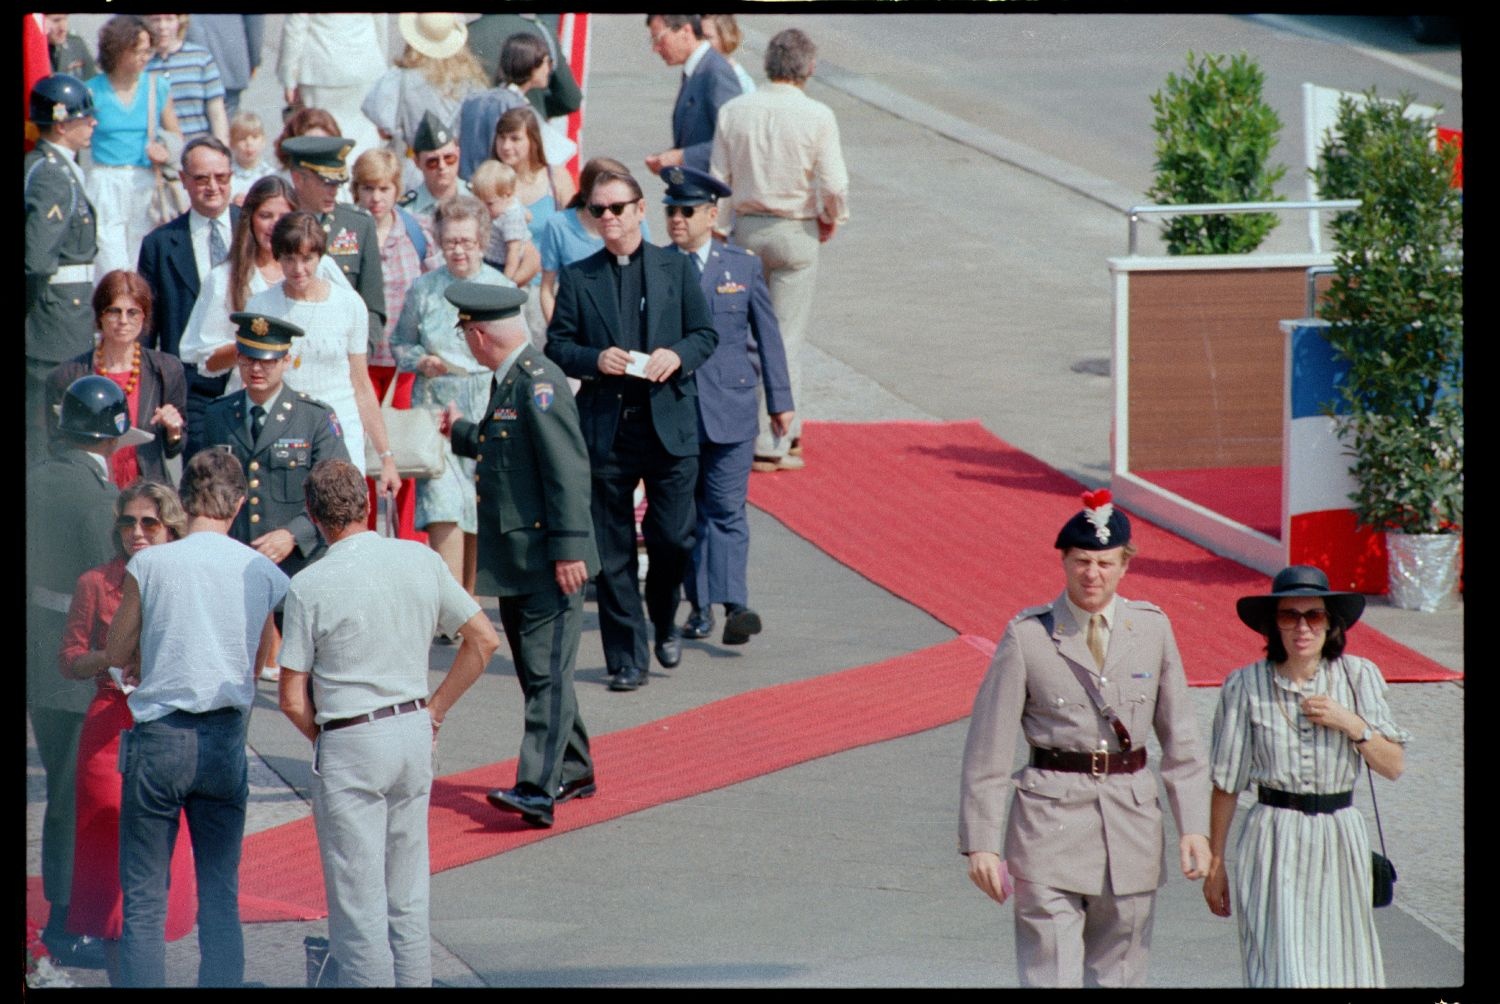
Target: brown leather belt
{"type": "Point", "coordinates": [1098, 764]}
{"type": "Point", "coordinates": [1310, 804]}
{"type": "Point", "coordinates": [376, 715]}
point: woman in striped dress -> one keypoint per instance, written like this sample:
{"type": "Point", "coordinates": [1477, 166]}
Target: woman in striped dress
{"type": "Point", "coordinates": [1299, 723]}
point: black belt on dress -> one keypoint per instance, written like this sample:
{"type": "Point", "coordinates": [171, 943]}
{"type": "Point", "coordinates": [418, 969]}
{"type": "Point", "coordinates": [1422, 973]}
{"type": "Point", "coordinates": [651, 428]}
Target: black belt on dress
{"type": "Point", "coordinates": [1311, 804]}
{"type": "Point", "coordinates": [1097, 763]}
{"type": "Point", "coordinates": [376, 715]}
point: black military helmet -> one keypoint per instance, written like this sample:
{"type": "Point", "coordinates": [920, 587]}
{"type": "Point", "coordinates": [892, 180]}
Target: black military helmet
{"type": "Point", "coordinates": [93, 407]}
{"type": "Point", "coordinates": [60, 98]}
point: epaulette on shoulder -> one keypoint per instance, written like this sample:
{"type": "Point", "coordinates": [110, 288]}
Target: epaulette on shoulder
{"type": "Point", "coordinates": [1145, 605]}
{"type": "Point", "coordinates": [1031, 612]}
{"type": "Point", "coordinates": [358, 209]}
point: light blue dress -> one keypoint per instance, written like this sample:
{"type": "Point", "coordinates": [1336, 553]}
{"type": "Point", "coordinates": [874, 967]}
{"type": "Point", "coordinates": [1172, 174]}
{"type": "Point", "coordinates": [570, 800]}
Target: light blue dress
{"type": "Point", "coordinates": [429, 326]}
{"type": "Point", "coordinates": [1302, 882]}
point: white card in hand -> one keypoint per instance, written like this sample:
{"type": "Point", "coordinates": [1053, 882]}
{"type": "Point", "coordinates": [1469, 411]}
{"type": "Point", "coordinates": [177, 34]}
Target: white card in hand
{"type": "Point", "coordinates": [637, 367]}
{"type": "Point", "coordinates": [119, 677]}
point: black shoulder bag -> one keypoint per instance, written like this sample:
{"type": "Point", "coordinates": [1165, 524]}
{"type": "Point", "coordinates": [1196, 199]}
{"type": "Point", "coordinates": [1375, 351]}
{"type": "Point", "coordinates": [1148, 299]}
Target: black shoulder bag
{"type": "Point", "coordinates": [1382, 872]}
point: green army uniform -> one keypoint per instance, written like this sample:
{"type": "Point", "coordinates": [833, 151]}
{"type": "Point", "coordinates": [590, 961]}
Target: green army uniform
{"type": "Point", "coordinates": [59, 256]}
{"type": "Point", "coordinates": [355, 249]}
{"type": "Point", "coordinates": [299, 431]}
{"type": "Point", "coordinates": [70, 528]}
{"type": "Point", "coordinates": [349, 230]}
{"type": "Point", "coordinates": [533, 499]}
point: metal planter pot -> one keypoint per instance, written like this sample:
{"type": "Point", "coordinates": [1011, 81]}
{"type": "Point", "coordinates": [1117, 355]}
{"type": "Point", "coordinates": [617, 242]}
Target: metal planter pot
{"type": "Point", "coordinates": [1422, 570]}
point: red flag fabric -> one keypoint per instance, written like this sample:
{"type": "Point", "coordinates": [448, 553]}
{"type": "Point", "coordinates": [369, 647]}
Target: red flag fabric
{"type": "Point", "coordinates": [36, 63]}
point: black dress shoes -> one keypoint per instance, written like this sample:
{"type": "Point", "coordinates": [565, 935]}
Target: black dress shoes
{"type": "Point", "coordinates": [700, 624]}
{"type": "Point", "coordinates": [669, 649]}
{"type": "Point", "coordinates": [533, 804]}
{"type": "Point", "coordinates": [739, 624]}
{"type": "Point", "coordinates": [628, 678]}
{"type": "Point", "coordinates": [75, 951]}
{"type": "Point", "coordinates": [579, 787]}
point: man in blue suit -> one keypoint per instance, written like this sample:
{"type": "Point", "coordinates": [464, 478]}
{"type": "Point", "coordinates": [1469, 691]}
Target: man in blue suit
{"type": "Point", "coordinates": [749, 353]}
{"type": "Point", "coordinates": [177, 256]}
{"type": "Point", "coordinates": [708, 81]}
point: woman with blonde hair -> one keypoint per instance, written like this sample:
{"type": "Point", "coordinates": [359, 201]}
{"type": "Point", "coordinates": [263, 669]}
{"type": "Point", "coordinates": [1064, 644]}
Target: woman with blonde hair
{"type": "Point", "coordinates": [434, 74]}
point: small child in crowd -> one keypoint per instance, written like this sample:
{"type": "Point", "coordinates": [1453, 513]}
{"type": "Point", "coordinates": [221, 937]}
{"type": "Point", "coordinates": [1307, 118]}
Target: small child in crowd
{"type": "Point", "coordinates": [247, 140]}
{"type": "Point", "coordinates": [494, 184]}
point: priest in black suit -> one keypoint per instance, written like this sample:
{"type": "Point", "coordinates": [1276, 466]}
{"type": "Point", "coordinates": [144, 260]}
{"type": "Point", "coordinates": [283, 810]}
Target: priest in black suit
{"type": "Point", "coordinates": [631, 323]}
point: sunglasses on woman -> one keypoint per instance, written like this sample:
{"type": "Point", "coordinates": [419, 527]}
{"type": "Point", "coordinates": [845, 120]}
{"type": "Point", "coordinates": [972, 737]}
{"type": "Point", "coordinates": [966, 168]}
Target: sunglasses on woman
{"type": "Point", "coordinates": [148, 523]}
{"type": "Point", "coordinates": [1315, 618]}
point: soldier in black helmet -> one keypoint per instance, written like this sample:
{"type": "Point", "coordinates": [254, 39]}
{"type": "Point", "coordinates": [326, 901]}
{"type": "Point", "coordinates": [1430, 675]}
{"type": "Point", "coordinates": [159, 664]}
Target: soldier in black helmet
{"type": "Point", "coordinates": [60, 243]}
{"type": "Point", "coordinates": [70, 515]}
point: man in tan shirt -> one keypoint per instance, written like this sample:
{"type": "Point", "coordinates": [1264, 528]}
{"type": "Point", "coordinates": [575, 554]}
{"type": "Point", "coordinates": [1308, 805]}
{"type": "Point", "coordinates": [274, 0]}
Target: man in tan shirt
{"type": "Point", "coordinates": [779, 150]}
{"type": "Point", "coordinates": [1084, 679]}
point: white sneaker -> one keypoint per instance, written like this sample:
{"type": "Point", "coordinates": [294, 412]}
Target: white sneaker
{"type": "Point", "coordinates": [270, 674]}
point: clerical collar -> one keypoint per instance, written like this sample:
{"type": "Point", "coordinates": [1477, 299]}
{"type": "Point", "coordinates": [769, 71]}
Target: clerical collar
{"type": "Point", "coordinates": [625, 259]}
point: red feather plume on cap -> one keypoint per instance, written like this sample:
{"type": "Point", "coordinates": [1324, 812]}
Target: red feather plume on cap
{"type": "Point", "coordinates": [1093, 500]}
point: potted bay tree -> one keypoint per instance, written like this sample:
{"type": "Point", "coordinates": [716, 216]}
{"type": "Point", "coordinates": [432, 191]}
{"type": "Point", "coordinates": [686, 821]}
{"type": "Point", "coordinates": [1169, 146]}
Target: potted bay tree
{"type": "Point", "coordinates": [1395, 308]}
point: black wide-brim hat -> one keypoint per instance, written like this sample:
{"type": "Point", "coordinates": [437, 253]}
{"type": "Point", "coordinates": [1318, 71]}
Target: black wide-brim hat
{"type": "Point", "coordinates": [1298, 581]}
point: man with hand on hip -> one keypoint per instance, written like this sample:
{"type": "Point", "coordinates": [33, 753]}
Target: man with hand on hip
{"type": "Point", "coordinates": [358, 625]}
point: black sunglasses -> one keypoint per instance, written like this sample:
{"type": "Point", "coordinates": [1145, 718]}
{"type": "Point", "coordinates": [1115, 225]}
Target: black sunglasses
{"type": "Point", "coordinates": [686, 212]}
{"type": "Point", "coordinates": [618, 208]}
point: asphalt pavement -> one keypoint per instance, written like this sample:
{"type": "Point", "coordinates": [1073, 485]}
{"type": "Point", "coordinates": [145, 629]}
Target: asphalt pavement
{"type": "Point", "coordinates": [966, 285]}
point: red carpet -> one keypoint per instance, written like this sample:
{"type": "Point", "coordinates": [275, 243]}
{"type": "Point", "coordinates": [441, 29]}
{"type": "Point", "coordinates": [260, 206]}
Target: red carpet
{"type": "Point", "coordinates": [711, 747]}
{"type": "Point", "coordinates": [961, 524]}
{"type": "Point", "coordinates": [943, 515]}
{"type": "Point", "coordinates": [1248, 495]}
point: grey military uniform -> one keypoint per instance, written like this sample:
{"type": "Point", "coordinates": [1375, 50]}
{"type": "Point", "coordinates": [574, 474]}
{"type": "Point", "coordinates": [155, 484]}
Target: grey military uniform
{"type": "Point", "coordinates": [299, 431]}
{"type": "Point", "coordinates": [58, 254]}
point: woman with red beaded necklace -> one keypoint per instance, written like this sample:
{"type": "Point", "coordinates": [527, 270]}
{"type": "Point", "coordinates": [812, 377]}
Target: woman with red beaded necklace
{"type": "Point", "coordinates": [154, 385]}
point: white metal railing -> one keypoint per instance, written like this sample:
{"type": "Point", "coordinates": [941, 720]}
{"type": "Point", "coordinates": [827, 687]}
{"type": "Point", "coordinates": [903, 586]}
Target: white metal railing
{"type": "Point", "coordinates": [1134, 213]}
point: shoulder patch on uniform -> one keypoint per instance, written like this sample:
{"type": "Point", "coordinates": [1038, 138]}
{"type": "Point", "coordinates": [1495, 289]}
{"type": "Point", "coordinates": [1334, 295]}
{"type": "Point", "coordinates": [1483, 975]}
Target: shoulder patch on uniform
{"type": "Point", "coordinates": [333, 425]}
{"type": "Point", "coordinates": [543, 393]}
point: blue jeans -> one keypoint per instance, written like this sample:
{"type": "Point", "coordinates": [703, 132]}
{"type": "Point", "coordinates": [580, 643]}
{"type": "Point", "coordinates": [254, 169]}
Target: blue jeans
{"type": "Point", "coordinates": [194, 763]}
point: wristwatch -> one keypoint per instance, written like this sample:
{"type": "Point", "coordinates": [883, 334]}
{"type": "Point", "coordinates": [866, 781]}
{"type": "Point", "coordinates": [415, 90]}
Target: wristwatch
{"type": "Point", "coordinates": [1364, 736]}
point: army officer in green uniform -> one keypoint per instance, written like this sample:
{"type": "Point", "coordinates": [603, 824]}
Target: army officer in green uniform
{"type": "Point", "coordinates": [60, 243]}
{"type": "Point", "coordinates": [278, 434]}
{"type": "Point", "coordinates": [536, 539]}
{"type": "Point", "coordinates": [318, 169]}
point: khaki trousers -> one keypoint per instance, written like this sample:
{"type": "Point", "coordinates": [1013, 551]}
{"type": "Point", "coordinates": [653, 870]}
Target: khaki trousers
{"type": "Point", "coordinates": [788, 251]}
{"type": "Point", "coordinates": [1065, 939]}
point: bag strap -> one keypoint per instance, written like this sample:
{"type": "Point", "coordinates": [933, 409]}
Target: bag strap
{"type": "Point", "coordinates": [1369, 774]}
{"type": "Point", "coordinates": [1088, 686]}
{"type": "Point", "coordinates": [151, 118]}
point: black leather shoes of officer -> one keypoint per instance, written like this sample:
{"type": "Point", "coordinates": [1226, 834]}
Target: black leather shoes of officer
{"type": "Point", "coordinates": [579, 787]}
{"type": "Point", "coordinates": [532, 803]}
{"type": "Point", "coordinates": [739, 624]}
{"type": "Point", "coordinates": [699, 624]}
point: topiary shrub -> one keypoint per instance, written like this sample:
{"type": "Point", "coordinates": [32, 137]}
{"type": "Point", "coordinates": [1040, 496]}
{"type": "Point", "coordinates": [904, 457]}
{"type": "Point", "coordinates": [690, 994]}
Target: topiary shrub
{"type": "Point", "coordinates": [1214, 136]}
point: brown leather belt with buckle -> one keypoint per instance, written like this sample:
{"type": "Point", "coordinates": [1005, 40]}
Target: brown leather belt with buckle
{"type": "Point", "coordinates": [1097, 764]}
{"type": "Point", "coordinates": [376, 715]}
{"type": "Point", "coordinates": [1310, 804]}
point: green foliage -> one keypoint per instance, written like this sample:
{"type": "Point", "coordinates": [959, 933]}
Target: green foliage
{"type": "Point", "coordinates": [1396, 312]}
{"type": "Point", "coordinates": [1214, 137]}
